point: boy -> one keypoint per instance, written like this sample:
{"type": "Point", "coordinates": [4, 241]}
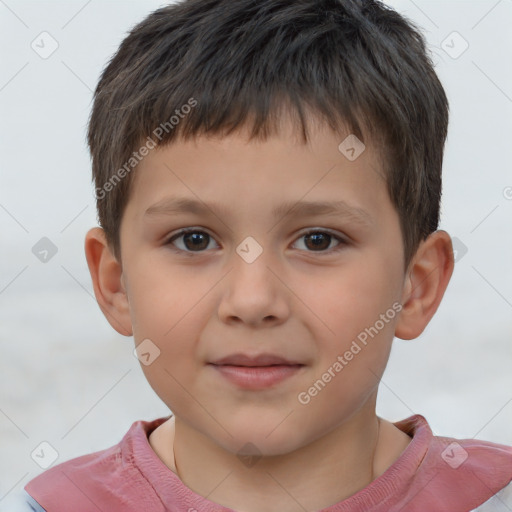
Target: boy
{"type": "Point", "coordinates": [231, 140]}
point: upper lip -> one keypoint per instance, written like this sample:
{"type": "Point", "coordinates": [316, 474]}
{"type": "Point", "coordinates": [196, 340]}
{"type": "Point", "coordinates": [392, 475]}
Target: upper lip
{"type": "Point", "coordinates": [259, 360]}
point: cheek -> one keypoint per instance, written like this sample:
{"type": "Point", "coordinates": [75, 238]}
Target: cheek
{"type": "Point", "coordinates": [358, 319]}
{"type": "Point", "coordinates": [163, 298]}
{"type": "Point", "coordinates": [172, 373]}
{"type": "Point", "coordinates": [166, 310]}
{"type": "Point", "coordinates": [352, 298]}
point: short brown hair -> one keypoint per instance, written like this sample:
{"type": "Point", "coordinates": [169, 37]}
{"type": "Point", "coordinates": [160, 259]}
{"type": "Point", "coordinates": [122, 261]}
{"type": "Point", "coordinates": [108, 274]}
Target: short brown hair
{"type": "Point", "coordinates": [356, 64]}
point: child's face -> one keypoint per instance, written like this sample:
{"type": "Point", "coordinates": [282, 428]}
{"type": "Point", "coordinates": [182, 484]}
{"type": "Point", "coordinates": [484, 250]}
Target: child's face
{"type": "Point", "coordinates": [202, 298]}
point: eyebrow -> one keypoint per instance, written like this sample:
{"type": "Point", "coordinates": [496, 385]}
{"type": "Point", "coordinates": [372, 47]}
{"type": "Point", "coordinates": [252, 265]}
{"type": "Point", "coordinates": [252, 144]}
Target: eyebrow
{"type": "Point", "coordinates": [176, 205]}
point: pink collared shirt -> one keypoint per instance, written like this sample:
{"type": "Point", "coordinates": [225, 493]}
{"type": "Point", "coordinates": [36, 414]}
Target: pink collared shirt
{"type": "Point", "coordinates": [433, 474]}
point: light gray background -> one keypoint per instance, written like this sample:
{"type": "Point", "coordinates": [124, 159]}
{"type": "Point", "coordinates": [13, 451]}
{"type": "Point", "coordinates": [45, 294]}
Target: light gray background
{"type": "Point", "coordinates": [67, 378]}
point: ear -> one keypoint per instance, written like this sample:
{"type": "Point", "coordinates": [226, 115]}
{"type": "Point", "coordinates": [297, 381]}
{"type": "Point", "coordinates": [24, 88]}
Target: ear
{"type": "Point", "coordinates": [107, 280]}
{"type": "Point", "coordinates": [426, 280]}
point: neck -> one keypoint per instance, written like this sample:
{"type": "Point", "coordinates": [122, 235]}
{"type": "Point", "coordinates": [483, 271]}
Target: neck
{"type": "Point", "coordinates": [313, 477]}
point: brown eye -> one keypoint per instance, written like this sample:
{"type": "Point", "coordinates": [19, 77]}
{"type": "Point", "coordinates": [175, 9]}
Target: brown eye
{"type": "Point", "coordinates": [320, 242]}
{"type": "Point", "coordinates": [193, 240]}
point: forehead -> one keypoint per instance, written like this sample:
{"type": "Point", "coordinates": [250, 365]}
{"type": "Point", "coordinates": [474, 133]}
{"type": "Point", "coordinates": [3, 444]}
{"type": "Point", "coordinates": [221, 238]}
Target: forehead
{"type": "Point", "coordinates": [230, 174]}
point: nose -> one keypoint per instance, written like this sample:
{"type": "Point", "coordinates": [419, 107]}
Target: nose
{"type": "Point", "coordinates": [252, 292]}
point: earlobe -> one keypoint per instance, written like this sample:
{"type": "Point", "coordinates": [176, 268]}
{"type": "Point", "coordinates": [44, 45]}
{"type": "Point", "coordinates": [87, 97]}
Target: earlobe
{"type": "Point", "coordinates": [426, 281]}
{"type": "Point", "coordinates": [108, 281]}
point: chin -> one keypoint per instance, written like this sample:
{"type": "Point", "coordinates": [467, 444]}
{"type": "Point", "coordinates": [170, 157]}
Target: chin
{"type": "Point", "coordinates": [256, 436]}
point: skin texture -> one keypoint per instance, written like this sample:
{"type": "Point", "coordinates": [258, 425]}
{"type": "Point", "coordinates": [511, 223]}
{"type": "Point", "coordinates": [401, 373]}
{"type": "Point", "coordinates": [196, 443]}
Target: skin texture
{"type": "Point", "coordinates": [294, 300]}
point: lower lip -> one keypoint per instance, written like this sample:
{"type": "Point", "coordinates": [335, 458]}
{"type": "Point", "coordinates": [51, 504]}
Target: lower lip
{"type": "Point", "coordinates": [257, 377]}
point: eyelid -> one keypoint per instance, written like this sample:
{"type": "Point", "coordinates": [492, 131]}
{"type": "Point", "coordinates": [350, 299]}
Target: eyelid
{"type": "Point", "coordinates": [329, 231]}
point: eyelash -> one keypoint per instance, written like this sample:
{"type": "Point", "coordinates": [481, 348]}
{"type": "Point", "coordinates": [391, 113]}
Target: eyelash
{"type": "Point", "coordinates": [342, 242]}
